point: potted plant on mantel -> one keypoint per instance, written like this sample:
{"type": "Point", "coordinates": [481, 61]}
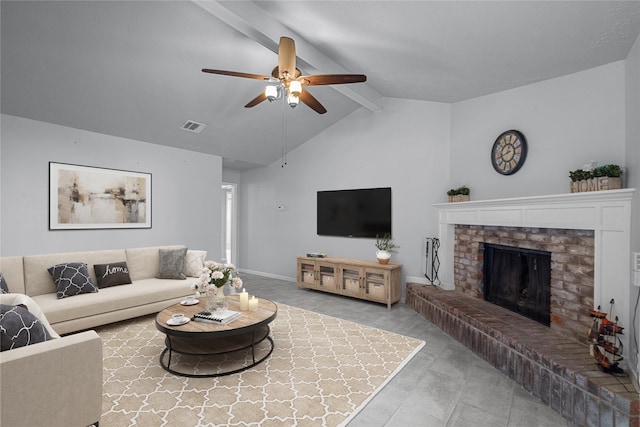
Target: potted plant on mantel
{"type": "Point", "coordinates": [596, 178]}
{"type": "Point", "coordinates": [459, 194]}
{"type": "Point", "coordinates": [385, 247]}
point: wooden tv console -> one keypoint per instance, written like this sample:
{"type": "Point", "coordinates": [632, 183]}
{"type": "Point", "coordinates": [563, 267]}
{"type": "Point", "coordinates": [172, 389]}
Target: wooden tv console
{"type": "Point", "coordinates": [366, 280]}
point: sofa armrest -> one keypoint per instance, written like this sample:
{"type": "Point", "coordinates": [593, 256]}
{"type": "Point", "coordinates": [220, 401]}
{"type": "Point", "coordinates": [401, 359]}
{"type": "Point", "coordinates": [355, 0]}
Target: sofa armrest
{"type": "Point", "coordinates": [53, 383]}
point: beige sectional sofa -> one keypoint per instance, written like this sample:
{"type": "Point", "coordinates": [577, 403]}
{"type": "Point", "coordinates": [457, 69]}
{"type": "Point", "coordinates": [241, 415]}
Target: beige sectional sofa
{"type": "Point", "coordinates": [53, 383]}
{"type": "Point", "coordinates": [147, 294]}
{"type": "Point", "coordinates": [59, 382]}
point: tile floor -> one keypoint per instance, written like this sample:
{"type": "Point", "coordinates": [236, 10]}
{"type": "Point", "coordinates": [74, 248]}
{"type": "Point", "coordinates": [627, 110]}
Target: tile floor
{"type": "Point", "coordinates": [444, 385]}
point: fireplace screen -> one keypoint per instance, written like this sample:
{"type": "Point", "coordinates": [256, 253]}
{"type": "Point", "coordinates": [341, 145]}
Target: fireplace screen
{"type": "Point", "coordinates": [519, 280]}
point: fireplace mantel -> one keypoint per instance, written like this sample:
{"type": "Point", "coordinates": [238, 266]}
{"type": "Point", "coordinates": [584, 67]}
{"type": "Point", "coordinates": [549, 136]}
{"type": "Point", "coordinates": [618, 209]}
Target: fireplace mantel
{"type": "Point", "coordinates": [586, 211]}
{"type": "Point", "coordinates": [607, 213]}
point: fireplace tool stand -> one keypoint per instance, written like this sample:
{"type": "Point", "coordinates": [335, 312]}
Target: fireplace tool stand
{"type": "Point", "coordinates": [432, 260]}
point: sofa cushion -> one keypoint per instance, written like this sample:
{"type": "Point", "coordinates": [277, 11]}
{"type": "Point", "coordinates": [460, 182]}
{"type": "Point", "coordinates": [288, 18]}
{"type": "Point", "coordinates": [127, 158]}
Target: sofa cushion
{"type": "Point", "coordinates": [144, 263]}
{"type": "Point", "coordinates": [37, 280]}
{"type": "Point", "coordinates": [19, 327]}
{"type": "Point", "coordinates": [112, 274]}
{"type": "Point", "coordinates": [194, 263]}
{"type": "Point", "coordinates": [140, 293]}
{"type": "Point", "coordinates": [172, 263]}
{"type": "Point", "coordinates": [4, 287]}
{"type": "Point", "coordinates": [13, 272]}
{"type": "Point", "coordinates": [72, 278]}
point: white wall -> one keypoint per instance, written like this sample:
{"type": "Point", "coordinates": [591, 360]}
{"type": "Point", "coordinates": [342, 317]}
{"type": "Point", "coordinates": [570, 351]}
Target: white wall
{"type": "Point", "coordinates": [567, 121]}
{"type": "Point", "coordinates": [404, 146]}
{"type": "Point", "coordinates": [425, 149]}
{"type": "Point", "coordinates": [633, 178]}
{"type": "Point", "coordinates": [185, 190]}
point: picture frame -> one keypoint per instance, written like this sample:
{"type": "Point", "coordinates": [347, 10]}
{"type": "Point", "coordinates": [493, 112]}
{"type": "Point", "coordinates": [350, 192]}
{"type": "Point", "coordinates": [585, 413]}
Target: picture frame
{"type": "Point", "coordinates": [88, 197]}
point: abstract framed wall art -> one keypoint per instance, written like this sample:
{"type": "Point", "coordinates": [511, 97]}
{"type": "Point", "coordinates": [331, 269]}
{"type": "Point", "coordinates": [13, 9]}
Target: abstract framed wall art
{"type": "Point", "coordinates": [86, 197]}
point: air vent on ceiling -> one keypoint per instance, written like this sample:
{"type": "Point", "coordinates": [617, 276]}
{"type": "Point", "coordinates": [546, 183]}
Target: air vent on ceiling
{"type": "Point", "coordinates": [191, 126]}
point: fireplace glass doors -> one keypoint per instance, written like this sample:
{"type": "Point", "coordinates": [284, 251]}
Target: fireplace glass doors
{"type": "Point", "coordinates": [518, 280]}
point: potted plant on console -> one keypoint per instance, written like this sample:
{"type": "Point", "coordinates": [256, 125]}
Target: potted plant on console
{"type": "Point", "coordinates": [385, 247]}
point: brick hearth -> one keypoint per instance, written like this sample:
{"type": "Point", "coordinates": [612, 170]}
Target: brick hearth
{"type": "Point", "coordinates": [556, 369]}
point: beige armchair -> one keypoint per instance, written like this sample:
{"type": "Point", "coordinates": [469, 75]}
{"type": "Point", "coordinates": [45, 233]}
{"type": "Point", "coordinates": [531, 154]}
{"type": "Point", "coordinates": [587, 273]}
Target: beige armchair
{"type": "Point", "coordinates": [53, 383]}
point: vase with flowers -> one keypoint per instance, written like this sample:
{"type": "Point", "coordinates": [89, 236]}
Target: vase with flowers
{"type": "Point", "coordinates": [213, 277]}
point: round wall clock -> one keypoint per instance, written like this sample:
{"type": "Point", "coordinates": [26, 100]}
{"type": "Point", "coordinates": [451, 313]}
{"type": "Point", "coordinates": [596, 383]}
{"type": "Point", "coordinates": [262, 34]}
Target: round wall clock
{"type": "Point", "coordinates": [509, 152]}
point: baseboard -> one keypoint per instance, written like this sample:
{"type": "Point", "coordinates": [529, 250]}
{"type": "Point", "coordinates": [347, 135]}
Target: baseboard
{"type": "Point", "coordinates": [269, 275]}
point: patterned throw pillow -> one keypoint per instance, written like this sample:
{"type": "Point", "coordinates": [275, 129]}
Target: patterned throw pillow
{"type": "Point", "coordinates": [194, 263]}
{"type": "Point", "coordinates": [71, 279]}
{"type": "Point", "coordinates": [113, 274]}
{"type": "Point", "coordinates": [172, 263]}
{"type": "Point", "coordinates": [4, 286]}
{"type": "Point", "coordinates": [19, 327]}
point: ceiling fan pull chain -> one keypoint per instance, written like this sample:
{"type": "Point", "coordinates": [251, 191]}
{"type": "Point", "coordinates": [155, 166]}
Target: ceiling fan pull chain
{"type": "Point", "coordinates": [284, 137]}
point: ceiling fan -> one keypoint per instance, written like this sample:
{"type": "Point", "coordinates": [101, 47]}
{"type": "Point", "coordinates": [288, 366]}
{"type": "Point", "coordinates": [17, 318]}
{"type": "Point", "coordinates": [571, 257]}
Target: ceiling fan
{"type": "Point", "coordinates": [286, 80]}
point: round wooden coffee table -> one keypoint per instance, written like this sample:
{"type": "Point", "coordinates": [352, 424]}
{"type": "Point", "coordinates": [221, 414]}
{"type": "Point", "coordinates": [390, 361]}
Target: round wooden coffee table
{"type": "Point", "coordinates": [211, 339]}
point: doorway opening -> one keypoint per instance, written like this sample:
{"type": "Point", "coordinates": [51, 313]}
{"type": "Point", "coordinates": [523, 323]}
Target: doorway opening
{"type": "Point", "coordinates": [229, 223]}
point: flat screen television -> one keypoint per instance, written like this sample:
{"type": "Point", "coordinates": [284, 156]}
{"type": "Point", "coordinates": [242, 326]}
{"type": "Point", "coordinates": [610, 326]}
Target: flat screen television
{"type": "Point", "coordinates": [354, 213]}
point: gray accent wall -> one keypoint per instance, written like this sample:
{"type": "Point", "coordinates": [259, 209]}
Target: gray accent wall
{"type": "Point", "coordinates": [185, 190]}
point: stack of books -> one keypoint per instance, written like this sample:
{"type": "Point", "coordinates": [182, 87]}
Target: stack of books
{"type": "Point", "coordinates": [221, 317]}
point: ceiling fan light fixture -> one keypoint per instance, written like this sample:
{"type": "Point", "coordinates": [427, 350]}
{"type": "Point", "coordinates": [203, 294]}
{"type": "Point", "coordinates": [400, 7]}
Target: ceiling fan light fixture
{"type": "Point", "coordinates": [292, 100]}
{"type": "Point", "coordinates": [287, 81]}
{"type": "Point", "coordinates": [271, 92]}
{"type": "Point", "coordinates": [295, 88]}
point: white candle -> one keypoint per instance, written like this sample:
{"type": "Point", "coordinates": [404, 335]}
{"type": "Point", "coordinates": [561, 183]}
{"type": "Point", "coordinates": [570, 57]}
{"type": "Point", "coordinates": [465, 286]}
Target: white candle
{"type": "Point", "coordinates": [253, 303]}
{"type": "Point", "coordinates": [244, 300]}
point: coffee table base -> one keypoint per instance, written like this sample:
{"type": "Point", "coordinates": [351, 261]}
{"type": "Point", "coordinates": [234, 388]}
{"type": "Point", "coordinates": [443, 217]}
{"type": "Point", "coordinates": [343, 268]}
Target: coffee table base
{"type": "Point", "coordinates": [211, 347]}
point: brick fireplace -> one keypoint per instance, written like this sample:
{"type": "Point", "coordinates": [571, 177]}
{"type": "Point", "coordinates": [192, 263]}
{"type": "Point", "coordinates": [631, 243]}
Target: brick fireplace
{"type": "Point", "coordinates": [588, 233]}
{"type": "Point", "coordinates": [572, 267]}
{"type": "Point", "coordinates": [588, 238]}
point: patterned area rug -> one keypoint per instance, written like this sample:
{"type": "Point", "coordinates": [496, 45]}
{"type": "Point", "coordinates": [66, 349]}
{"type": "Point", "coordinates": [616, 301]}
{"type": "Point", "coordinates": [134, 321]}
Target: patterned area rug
{"type": "Point", "coordinates": [323, 370]}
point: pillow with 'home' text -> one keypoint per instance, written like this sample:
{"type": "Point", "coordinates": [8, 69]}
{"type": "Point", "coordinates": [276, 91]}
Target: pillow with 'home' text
{"type": "Point", "coordinates": [112, 274]}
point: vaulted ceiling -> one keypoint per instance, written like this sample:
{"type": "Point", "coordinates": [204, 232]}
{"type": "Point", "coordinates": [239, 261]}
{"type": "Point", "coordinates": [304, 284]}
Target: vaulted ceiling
{"type": "Point", "coordinates": [133, 68]}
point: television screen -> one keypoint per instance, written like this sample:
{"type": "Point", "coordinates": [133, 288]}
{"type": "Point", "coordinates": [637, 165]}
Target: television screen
{"type": "Point", "coordinates": [354, 213]}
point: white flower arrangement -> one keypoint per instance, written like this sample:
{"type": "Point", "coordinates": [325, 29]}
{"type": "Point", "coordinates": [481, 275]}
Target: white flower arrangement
{"type": "Point", "coordinates": [215, 275]}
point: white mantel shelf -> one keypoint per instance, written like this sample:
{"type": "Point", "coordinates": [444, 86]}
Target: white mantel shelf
{"type": "Point", "coordinates": [584, 211]}
{"type": "Point", "coordinates": [607, 213]}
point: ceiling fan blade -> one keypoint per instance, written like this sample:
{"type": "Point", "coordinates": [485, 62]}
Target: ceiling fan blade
{"type": "Point", "coordinates": [257, 100]}
{"type": "Point", "coordinates": [312, 102]}
{"type": "Point", "coordinates": [332, 79]}
{"type": "Point", "coordinates": [236, 74]}
{"type": "Point", "coordinates": [286, 58]}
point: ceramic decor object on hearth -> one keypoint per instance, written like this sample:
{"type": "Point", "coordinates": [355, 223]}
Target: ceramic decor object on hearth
{"type": "Point", "coordinates": [509, 152]}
